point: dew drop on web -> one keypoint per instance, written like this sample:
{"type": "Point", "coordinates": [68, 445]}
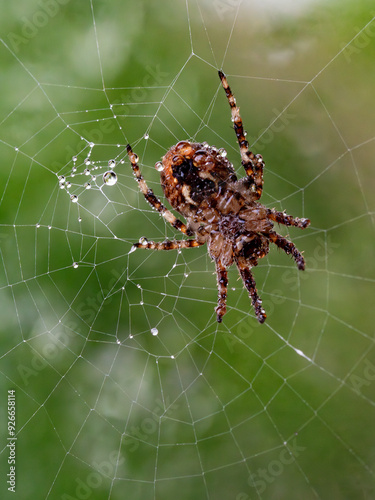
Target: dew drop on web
{"type": "Point", "coordinates": [110, 178]}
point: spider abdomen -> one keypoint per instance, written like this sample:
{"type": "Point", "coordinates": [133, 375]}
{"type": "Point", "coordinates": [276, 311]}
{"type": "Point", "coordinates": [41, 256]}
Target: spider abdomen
{"type": "Point", "coordinates": [194, 176]}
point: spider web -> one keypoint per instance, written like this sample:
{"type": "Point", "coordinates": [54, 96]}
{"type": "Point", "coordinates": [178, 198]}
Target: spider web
{"type": "Point", "coordinates": [126, 387]}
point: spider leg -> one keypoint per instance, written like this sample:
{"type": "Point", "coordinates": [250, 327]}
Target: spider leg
{"type": "Point", "coordinates": [150, 196]}
{"type": "Point", "coordinates": [287, 220]}
{"type": "Point", "coordinates": [288, 247]}
{"type": "Point", "coordinates": [166, 245]}
{"type": "Point", "coordinates": [222, 285]}
{"type": "Point", "coordinates": [253, 164]}
{"type": "Point", "coordinates": [249, 282]}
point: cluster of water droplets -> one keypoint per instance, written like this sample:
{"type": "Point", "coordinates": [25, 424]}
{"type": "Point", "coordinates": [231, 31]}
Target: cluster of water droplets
{"type": "Point", "coordinates": [92, 170]}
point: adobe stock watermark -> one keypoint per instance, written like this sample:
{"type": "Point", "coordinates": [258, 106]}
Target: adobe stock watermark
{"type": "Point", "coordinates": [366, 378]}
{"type": "Point", "coordinates": [32, 25]}
{"type": "Point", "coordinates": [266, 476]}
{"type": "Point", "coordinates": [154, 76]}
{"type": "Point", "coordinates": [103, 470]}
{"type": "Point", "coordinates": [148, 426]}
{"type": "Point", "coordinates": [225, 7]}
{"type": "Point", "coordinates": [87, 310]}
{"type": "Point", "coordinates": [280, 121]}
{"type": "Point", "coordinates": [290, 279]}
{"type": "Point", "coordinates": [49, 352]}
{"type": "Point", "coordinates": [361, 41]}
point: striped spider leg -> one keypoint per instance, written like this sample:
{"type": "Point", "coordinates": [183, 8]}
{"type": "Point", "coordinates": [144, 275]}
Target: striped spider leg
{"type": "Point", "coordinates": [158, 205]}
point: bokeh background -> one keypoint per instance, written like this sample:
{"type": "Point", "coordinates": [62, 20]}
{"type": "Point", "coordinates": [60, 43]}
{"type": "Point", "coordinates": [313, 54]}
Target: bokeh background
{"type": "Point", "coordinates": [126, 387]}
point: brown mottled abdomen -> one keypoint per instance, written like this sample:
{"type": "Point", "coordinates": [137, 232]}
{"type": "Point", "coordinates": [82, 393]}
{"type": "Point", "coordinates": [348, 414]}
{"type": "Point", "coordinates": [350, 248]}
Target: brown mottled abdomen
{"type": "Point", "coordinates": [193, 176]}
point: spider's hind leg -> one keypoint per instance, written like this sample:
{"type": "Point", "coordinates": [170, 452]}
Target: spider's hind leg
{"type": "Point", "coordinates": [249, 282]}
{"type": "Point", "coordinates": [288, 247]}
{"type": "Point", "coordinates": [253, 164]}
{"type": "Point", "coordinates": [222, 285]}
{"type": "Point", "coordinates": [166, 245]}
{"type": "Point", "coordinates": [287, 220]}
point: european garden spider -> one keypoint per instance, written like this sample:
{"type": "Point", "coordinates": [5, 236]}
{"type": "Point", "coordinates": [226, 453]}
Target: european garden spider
{"type": "Point", "coordinates": [220, 210]}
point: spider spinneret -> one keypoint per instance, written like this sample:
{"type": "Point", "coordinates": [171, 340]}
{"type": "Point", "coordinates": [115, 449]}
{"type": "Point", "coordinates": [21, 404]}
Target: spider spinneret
{"type": "Point", "coordinates": [201, 185]}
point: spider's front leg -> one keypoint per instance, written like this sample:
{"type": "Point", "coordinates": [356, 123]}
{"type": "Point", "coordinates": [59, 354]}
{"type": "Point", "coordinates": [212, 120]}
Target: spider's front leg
{"type": "Point", "coordinates": [253, 164]}
{"type": "Point", "coordinates": [150, 196]}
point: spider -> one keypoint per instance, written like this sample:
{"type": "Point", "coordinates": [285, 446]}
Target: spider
{"type": "Point", "coordinates": [220, 210]}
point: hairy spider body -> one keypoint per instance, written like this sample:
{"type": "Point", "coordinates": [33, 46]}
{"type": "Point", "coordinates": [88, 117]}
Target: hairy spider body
{"type": "Point", "coordinates": [200, 183]}
{"type": "Point", "coordinates": [220, 210]}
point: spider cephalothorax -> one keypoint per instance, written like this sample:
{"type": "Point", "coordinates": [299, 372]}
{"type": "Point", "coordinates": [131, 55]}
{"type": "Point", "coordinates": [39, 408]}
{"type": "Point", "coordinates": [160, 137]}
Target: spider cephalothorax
{"type": "Point", "coordinates": [220, 210]}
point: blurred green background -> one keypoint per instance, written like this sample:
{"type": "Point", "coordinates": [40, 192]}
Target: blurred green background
{"type": "Point", "coordinates": [106, 408]}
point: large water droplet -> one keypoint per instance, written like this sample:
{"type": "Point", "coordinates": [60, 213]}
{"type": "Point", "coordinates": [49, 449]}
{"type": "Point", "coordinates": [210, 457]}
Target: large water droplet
{"type": "Point", "coordinates": [154, 331]}
{"type": "Point", "coordinates": [110, 178]}
{"type": "Point", "coordinates": [112, 163]}
{"type": "Point", "coordinates": [74, 198]}
{"type": "Point", "coordinates": [159, 166]}
{"type": "Point", "coordinates": [143, 241]}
